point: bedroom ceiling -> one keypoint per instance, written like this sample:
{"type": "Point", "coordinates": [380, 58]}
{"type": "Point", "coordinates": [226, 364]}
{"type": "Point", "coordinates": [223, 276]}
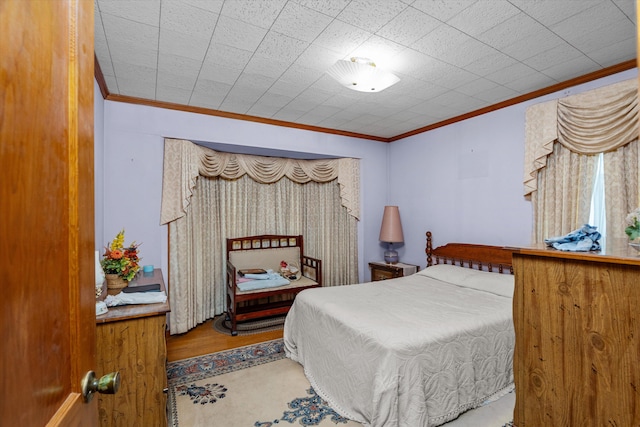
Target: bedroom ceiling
{"type": "Point", "coordinates": [268, 58]}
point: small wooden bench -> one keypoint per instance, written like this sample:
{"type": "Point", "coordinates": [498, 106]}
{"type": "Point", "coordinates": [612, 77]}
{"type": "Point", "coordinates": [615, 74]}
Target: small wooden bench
{"type": "Point", "coordinates": [266, 252]}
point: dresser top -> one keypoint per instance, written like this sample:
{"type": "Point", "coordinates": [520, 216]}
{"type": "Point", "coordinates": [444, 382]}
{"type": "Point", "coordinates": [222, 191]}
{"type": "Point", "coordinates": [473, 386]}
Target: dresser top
{"type": "Point", "coordinates": [125, 312]}
{"type": "Point", "coordinates": [615, 251]}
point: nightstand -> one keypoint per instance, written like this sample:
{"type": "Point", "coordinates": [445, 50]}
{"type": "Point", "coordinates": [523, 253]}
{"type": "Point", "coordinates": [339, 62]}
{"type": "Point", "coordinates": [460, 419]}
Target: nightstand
{"type": "Point", "coordinates": [383, 271]}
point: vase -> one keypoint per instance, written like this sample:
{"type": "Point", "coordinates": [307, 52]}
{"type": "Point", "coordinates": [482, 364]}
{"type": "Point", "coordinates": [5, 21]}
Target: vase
{"type": "Point", "coordinates": [115, 284]}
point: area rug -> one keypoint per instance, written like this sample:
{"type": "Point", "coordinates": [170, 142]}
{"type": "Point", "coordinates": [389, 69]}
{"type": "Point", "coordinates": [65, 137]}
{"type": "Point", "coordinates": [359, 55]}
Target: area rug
{"type": "Point", "coordinates": [257, 386]}
{"type": "Point", "coordinates": [249, 327]}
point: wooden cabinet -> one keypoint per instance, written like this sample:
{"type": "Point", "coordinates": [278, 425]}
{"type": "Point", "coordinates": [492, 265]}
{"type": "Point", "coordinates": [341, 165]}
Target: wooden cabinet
{"type": "Point", "coordinates": [131, 340]}
{"type": "Point", "coordinates": [577, 337]}
{"type": "Point", "coordinates": [383, 271]}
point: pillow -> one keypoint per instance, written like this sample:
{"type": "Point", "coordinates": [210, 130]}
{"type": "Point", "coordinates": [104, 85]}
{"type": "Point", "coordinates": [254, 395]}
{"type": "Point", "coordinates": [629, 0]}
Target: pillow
{"type": "Point", "coordinates": [496, 283]}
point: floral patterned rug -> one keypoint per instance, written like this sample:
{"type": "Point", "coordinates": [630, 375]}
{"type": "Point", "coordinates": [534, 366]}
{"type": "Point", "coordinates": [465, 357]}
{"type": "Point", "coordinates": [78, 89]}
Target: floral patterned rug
{"type": "Point", "coordinates": [253, 386]}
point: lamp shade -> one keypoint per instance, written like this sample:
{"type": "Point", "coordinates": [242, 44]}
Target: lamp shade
{"type": "Point", "coordinates": [391, 229]}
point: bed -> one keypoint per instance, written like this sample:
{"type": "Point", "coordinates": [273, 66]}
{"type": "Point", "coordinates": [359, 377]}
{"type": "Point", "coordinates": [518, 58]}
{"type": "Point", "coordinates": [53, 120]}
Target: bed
{"type": "Point", "coordinates": [412, 351]}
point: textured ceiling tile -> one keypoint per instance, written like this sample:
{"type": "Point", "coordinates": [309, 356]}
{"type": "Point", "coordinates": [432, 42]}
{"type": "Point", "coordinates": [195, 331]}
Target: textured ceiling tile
{"type": "Point", "coordinates": [476, 86]}
{"type": "Point", "coordinates": [530, 83]}
{"type": "Point", "coordinates": [175, 43]}
{"type": "Point", "coordinates": [328, 7]}
{"type": "Point", "coordinates": [589, 20]}
{"type": "Point", "coordinates": [178, 65]}
{"type": "Point", "coordinates": [290, 89]}
{"type": "Point", "coordinates": [219, 73]}
{"type": "Point", "coordinates": [440, 41]}
{"type": "Point", "coordinates": [302, 75]}
{"type": "Point", "coordinates": [533, 45]}
{"type": "Point", "coordinates": [133, 71]}
{"type": "Point", "coordinates": [407, 27]}
{"type": "Point", "coordinates": [449, 76]}
{"type": "Point", "coordinates": [471, 51]}
{"type": "Point", "coordinates": [176, 80]}
{"type": "Point", "coordinates": [511, 73]}
{"type": "Point", "coordinates": [263, 66]}
{"type": "Point", "coordinates": [112, 84]}
{"type": "Point", "coordinates": [123, 52]}
{"type": "Point", "coordinates": [130, 32]}
{"type": "Point", "coordinates": [381, 51]}
{"type": "Point", "coordinates": [204, 100]}
{"type": "Point", "coordinates": [318, 58]}
{"type": "Point", "coordinates": [489, 64]}
{"type": "Point", "coordinates": [567, 70]}
{"type": "Point", "coordinates": [138, 88]}
{"type": "Point", "coordinates": [259, 13]}
{"type": "Point", "coordinates": [300, 22]}
{"type": "Point", "coordinates": [342, 38]}
{"type": "Point", "coordinates": [274, 100]}
{"type": "Point", "coordinates": [173, 94]}
{"type": "Point", "coordinates": [616, 53]}
{"type": "Point", "coordinates": [142, 11]}
{"type": "Point", "coordinates": [238, 34]}
{"type": "Point", "coordinates": [214, 6]}
{"type": "Point", "coordinates": [254, 82]}
{"type": "Point", "coordinates": [497, 94]}
{"type": "Point", "coordinates": [557, 55]}
{"type": "Point", "coordinates": [227, 56]}
{"type": "Point", "coordinates": [593, 40]}
{"type": "Point", "coordinates": [280, 47]}
{"type": "Point", "coordinates": [442, 9]}
{"type": "Point", "coordinates": [628, 8]}
{"type": "Point", "coordinates": [288, 114]}
{"type": "Point", "coordinates": [371, 15]}
{"type": "Point", "coordinates": [177, 16]}
{"type": "Point", "coordinates": [483, 15]}
{"type": "Point", "coordinates": [549, 12]}
{"type": "Point", "coordinates": [518, 27]}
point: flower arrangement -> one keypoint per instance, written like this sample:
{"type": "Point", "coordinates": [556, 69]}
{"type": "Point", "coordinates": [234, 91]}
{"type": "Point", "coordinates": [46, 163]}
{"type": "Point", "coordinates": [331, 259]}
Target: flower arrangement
{"type": "Point", "coordinates": [633, 224]}
{"type": "Point", "coordinates": [121, 260]}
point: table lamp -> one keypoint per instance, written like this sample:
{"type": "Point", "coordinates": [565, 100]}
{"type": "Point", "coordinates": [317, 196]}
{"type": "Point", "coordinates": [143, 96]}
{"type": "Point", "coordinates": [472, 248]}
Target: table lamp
{"type": "Point", "coordinates": [391, 232]}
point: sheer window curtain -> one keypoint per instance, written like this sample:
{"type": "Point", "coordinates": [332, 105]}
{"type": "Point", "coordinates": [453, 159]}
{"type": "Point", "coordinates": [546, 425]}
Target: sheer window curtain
{"type": "Point", "coordinates": [217, 208]}
{"type": "Point", "coordinates": [563, 140]}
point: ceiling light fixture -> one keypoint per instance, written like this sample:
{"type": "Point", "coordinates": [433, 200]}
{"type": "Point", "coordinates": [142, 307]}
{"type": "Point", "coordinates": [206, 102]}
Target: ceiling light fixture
{"type": "Point", "coordinates": [361, 74]}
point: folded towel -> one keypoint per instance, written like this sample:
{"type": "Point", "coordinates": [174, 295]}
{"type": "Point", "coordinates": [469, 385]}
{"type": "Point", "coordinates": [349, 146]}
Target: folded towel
{"type": "Point", "coordinates": [583, 239]}
{"type": "Point", "coordinates": [269, 275]}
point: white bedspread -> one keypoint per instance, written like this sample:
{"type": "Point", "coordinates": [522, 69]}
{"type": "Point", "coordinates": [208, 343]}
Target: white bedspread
{"type": "Point", "coordinates": [413, 351]}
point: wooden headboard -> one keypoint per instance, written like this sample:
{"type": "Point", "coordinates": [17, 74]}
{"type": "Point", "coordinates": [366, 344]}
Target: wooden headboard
{"type": "Point", "coordinates": [470, 255]}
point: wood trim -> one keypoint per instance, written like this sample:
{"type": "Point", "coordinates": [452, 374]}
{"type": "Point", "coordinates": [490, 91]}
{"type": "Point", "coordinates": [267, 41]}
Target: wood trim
{"type": "Point", "coordinates": [102, 83]}
{"type": "Point", "coordinates": [236, 116]}
{"type": "Point", "coordinates": [526, 97]}
{"type": "Point", "coordinates": [627, 65]}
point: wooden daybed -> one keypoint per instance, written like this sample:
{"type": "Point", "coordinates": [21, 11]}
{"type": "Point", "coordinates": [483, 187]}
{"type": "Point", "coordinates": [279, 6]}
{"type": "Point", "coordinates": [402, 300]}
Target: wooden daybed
{"type": "Point", "coordinates": [266, 252]}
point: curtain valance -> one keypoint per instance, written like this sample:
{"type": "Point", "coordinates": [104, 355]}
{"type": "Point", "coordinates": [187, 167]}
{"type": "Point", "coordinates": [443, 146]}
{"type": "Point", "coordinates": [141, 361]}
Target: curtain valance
{"type": "Point", "coordinates": [184, 161]}
{"type": "Point", "coordinates": [593, 122]}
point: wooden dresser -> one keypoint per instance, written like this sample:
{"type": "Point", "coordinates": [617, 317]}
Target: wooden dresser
{"type": "Point", "coordinates": [131, 340]}
{"type": "Point", "coordinates": [577, 323]}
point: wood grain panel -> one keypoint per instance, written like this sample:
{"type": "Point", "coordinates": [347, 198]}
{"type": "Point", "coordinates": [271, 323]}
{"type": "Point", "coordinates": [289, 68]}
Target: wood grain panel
{"type": "Point", "coordinates": [577, 342]}
{"type": "Point", "coordinates": [136, 348]}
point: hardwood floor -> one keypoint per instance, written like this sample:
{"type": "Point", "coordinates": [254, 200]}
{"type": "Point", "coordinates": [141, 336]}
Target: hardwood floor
{"type": "Point", "coordinates": [204, 339]}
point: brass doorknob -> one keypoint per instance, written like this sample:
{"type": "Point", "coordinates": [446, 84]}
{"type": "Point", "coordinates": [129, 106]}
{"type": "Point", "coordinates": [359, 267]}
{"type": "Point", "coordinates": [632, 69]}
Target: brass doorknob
{"type": "Point", "coordinates": [107, 384]}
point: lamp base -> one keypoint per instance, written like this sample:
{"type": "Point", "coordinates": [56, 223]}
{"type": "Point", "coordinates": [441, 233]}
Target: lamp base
{"type": "Point", "coordinates": [391, 257]}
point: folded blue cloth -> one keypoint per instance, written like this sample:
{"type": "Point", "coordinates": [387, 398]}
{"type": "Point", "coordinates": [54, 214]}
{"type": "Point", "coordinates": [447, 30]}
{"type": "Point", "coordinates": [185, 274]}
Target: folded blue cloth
{"type": "Point", "coordinates": [252, 285]}
{"type": "Point", "coordinates": [581, 240]}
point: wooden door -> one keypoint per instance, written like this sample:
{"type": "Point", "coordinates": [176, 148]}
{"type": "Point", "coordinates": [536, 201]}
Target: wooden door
{"type": "Point", "coordinates": [47, 290]}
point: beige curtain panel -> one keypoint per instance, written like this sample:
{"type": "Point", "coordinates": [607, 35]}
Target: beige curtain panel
{"type": "Point", "coordinates": [597, 121]}
{"type": "Point", "coordinates": [184, 161]}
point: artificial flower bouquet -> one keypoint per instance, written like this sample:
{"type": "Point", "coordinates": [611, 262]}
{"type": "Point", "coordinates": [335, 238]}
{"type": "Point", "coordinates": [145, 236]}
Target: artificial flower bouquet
{"type": "Point", "coordinates": [121, 260]}
{"type": "Point", "coordinates": [633, 224]}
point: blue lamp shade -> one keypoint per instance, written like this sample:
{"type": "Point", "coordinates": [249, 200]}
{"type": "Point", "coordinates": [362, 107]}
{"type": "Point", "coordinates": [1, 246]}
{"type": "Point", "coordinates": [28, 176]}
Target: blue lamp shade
{"type": "Point", "coordinates": [391, 232]}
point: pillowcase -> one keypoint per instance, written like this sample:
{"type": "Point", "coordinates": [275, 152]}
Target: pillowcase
{"type": "Point", "coordinates": [495, 283]}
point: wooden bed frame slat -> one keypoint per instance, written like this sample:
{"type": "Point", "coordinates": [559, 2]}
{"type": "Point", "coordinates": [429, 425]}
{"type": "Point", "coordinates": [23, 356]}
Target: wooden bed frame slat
{"type": "Point", "coordinates": [470, 255]}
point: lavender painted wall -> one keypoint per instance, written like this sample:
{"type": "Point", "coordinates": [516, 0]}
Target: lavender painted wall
{"type": "Point", "coordinates": [133, 161]}
{"type": "Point", "coordinates": [463, 181]}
